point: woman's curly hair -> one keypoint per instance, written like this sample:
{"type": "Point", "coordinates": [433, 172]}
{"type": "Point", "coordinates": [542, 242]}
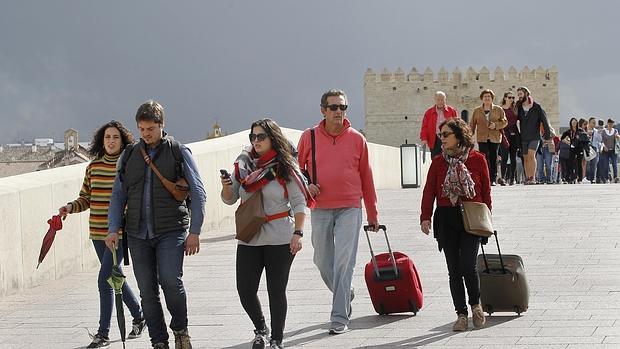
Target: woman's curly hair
{"type": "Point", "coordinates": [96, 146]}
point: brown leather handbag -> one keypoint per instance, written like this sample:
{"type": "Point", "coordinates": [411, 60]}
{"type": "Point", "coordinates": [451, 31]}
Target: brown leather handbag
{"type": "Point", "coordinates": [179, 189]}
{"type": "Point", "coordinates": [477, 218]}
{"type": "Point", "coordinates": [250, 217]}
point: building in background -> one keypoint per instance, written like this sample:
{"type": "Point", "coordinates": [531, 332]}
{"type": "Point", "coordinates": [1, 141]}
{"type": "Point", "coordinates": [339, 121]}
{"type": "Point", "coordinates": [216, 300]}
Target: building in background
{"type": "Point", "coordinates": [216, 131]}
{"type": "Point", "coordinates": [395, 102]}
{"type": "Point", "coordinates": [42, 154]}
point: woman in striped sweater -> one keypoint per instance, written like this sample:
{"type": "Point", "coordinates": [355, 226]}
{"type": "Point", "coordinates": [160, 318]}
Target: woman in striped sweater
{"type": "Point", "coordinates": [106, 146]}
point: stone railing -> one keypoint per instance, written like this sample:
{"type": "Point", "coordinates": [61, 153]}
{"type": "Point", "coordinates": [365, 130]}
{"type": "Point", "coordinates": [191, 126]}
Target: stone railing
{"type": "Point", "coordinates": [27, 201]}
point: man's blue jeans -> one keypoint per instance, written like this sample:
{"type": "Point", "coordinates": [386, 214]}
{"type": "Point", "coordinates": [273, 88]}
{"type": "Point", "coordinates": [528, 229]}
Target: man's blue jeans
{"type": "Point", "coordinates": [335, 234]}
{"type": "Point", "coordinates": [543, 165]}
{"type": "Point", "coordinates": [106, 294]}
{"type": "Point", "coordinates": [591, 167]}
{"type": "Point", "coordinates": [607, 157]}
{"type": "Point", "coordinates": [159, 261]}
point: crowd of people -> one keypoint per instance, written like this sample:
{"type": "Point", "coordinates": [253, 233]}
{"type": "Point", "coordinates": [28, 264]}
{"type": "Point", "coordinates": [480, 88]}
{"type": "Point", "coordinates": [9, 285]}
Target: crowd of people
{"type": "Point", "coordinates": [522, 147]}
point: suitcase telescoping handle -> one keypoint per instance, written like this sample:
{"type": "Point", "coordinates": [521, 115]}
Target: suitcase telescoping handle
{"type": "Point", "coordinates": [499, 252]}
{"type": "Point", "coordinates": [372, 254]}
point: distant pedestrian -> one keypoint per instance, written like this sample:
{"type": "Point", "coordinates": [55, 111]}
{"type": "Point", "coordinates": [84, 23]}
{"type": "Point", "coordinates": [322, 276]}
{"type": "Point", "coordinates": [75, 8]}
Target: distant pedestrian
{"type": "Point", "coordinates": [608, 154]}
{"type": "Point", "coordinates": [531, 117]}
{"type": "Point", "coordinates": [486, 122]}
{"type": "Point", "coordinates": [595, 142]}
{"type": "Point", "coordinates": [514, 137]}
{"type": "Point", "coordinates": [433, 117]}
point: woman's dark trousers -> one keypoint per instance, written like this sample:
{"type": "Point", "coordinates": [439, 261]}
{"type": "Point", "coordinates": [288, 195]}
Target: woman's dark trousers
{"type": "Point", "coordinates": [489, 149]}
{"type": "Point", "coordinates": [276, 260]}
{"type": "Point", "coordinates": [461, 250]}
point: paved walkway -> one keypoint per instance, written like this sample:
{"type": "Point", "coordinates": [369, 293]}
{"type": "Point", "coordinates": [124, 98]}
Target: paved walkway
{"type": "Point", "coordinates": [570, 249]}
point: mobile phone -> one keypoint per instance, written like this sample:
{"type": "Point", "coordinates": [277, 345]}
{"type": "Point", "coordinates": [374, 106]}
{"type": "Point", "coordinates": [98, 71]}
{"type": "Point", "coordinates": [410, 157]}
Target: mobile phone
{"type": "Point", "coordinates": [225, 173]}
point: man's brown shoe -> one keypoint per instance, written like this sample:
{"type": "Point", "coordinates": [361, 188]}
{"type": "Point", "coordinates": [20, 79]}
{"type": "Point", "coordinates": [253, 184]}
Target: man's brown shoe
{"type": "Point", "coordinates": [460, 324]}
{"type": "Point", "coordinates": [477, 314]}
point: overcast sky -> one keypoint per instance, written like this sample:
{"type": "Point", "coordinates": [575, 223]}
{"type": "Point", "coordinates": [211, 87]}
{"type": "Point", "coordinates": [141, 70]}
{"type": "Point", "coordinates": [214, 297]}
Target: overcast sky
{"type": "Point", "coordinates": [81, 63]}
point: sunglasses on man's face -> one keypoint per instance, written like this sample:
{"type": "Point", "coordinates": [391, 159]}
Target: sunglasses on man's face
{"type": "Point", "coordinates": [334, 107]}
{"type": "Point", "coordinates": [258, 136]}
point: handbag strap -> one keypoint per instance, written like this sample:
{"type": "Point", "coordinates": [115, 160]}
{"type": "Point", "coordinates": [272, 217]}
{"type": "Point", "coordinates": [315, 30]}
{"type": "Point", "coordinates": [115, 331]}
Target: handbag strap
{"type": "Point", "coordinates": [313, 142]}
{"type": "Point", "coordinates": [165, 181]}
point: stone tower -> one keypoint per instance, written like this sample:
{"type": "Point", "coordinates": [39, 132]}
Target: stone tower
{"type": "Point", "coordinates": [395, 102]}
{"type": "Point", "coordinates": [71, 139]}
{"type": "Point", "coordinates": [216, 131]}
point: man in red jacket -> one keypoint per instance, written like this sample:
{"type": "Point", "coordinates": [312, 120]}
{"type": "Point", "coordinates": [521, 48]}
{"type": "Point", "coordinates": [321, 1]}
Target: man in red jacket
{"type": "Point", "coordinates": [342, 177]}
{"type": "Point", "coordinates": [433, 117]}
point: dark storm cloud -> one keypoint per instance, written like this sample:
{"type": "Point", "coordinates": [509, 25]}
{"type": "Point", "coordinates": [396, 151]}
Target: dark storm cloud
{"type": "Point", "coordinates": [78, 64]}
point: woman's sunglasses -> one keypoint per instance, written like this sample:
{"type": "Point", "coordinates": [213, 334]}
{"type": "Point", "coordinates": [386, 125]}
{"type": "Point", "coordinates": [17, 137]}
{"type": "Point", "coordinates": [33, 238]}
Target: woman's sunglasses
{"type": "Point", "coordinates": [258, 136]}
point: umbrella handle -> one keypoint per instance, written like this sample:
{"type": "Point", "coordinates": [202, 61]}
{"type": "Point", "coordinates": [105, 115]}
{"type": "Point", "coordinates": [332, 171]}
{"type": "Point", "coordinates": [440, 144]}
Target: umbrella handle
{"type": "Point", "coordinates": [114, 260]}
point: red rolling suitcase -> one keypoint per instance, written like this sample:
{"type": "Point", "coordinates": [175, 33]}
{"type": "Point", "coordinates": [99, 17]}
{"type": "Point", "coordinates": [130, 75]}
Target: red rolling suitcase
{"type": "Point", "coordinates": [392, 280]}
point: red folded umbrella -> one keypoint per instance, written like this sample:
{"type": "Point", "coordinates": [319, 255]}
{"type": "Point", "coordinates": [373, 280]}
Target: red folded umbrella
{"type": "Point", "coordinates": [55, 225]}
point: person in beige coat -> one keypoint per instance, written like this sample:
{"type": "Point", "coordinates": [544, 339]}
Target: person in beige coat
{"type": "Point", "coordinates": [487, 121]}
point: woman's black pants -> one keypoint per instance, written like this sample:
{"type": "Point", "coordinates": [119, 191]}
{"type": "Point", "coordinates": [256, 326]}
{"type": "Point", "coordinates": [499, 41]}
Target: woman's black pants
{"type": "Point", "coordinates": [461, 250]}
{"type": "Point", "coordinates": [276, 260]}
{"type": "Point", "coordinates": [489, 149]}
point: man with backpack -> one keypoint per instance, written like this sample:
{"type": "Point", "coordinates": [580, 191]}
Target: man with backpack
{"type": "Point", "coordinates": [156, 222]}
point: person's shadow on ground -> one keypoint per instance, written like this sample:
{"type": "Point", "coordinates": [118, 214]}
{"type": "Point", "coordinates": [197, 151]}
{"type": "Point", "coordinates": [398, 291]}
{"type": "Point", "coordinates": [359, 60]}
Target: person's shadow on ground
{"type": "Point", "coordinates": [437, 334]}
{"type": "Point", "coordinates": [291, 338]}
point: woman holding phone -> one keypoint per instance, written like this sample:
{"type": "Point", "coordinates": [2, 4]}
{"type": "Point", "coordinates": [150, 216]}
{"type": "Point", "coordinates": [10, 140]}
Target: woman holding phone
{"type": "Point", "coordinates": [268, 166]}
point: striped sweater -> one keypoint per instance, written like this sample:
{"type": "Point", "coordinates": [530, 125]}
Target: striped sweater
{"type": "Point", "coordinates": [96, 193]}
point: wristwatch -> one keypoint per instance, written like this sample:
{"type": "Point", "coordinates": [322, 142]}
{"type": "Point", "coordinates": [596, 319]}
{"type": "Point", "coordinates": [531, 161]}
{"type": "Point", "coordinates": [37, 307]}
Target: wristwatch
{"type": "Point", "coordinates": [299, 232]}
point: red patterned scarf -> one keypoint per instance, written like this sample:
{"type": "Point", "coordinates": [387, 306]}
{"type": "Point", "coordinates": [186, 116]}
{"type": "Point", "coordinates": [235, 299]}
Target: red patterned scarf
{"type": "Point", "coordinates": [254, 172]}
{"type": "Point", "coordinates": [458, 182]}
{"type": "Point", "coordinates": [251, 170]}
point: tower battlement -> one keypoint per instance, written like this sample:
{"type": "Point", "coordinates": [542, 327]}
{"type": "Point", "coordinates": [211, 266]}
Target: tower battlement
{"type": "Point", "coordinates": [395, 101]}
{"type": "Point", "coordinates": [526, 75]}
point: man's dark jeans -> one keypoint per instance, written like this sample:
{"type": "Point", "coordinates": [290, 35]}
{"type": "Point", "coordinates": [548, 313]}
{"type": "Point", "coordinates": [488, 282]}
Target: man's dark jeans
{"type": "Point", "coordinates": [159, 261]}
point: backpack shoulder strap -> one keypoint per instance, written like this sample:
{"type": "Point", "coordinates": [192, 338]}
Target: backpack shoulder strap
{"type": "Point", "coordinates": [126, 155]}
{"type": "Point", "coordinates": [313, 142]}
{"type": "Point", "coordinates": [178, 156]}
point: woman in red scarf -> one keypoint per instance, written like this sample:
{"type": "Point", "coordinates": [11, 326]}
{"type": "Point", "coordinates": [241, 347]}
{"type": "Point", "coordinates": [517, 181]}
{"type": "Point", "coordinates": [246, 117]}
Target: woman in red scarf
{"type": "Point", "coordinates": [458, 174]}
{"type": "Point", "coordinates": [270, 166]}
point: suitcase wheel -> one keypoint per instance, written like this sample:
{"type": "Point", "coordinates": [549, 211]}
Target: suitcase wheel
{"type": "Point", "coordinates": [413, 308]}
{"type": "Point", "coordinates": [382, 310]}
{"type": "Point", "coordinates": [488, 308]}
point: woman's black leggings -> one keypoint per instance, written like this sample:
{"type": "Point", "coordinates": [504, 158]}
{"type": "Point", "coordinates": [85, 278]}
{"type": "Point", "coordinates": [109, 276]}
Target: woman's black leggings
{"type": "Point", "coordinates": [489, 149]}
{"type": "Point", "coordinates": [567, 169]}
{"type": "Point", "coordinates": [515, 143]}
{"type": "Point", "coordinates": [276, 260]}
{"type": "Point", "coordinates": [461, 250]}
